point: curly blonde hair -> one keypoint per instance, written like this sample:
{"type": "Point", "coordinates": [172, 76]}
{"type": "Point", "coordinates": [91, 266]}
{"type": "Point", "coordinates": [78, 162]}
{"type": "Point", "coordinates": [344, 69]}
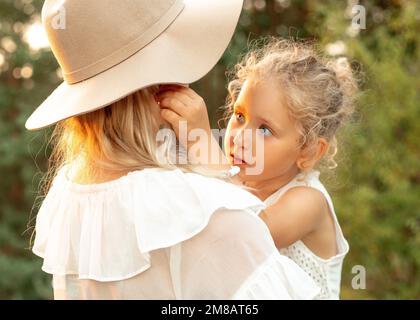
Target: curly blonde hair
{"type": "Point", "coordinates": [319, 92]}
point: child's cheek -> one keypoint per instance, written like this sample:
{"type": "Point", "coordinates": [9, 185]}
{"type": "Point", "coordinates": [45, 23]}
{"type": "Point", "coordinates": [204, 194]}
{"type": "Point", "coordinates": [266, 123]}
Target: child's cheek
{"type": "Point", "coordinates": [228, 138]}
{"type": "Point", "coordinates": [274, 160]}
{"type": "Point", "coordinates": [267, 157]}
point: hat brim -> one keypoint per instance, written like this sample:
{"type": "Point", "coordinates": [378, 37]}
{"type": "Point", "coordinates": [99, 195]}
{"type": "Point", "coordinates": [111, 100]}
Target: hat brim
{"type": "Point", "coordinates": [184, 53]}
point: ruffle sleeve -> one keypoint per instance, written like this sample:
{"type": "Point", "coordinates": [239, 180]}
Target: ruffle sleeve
{"type": "Point", "coordinates": [106, 231]}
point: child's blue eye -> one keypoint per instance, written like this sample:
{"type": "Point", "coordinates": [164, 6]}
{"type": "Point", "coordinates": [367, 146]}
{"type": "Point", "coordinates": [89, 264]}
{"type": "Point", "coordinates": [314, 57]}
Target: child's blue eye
{"type": "Point", "coordinates": [240, 117]}
{"type": "Point", "coordinates": [265, 131]}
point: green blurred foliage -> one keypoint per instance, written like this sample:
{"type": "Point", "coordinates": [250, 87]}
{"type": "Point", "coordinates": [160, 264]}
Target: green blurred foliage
{"type": "Point", "coordinates": [376, 187]}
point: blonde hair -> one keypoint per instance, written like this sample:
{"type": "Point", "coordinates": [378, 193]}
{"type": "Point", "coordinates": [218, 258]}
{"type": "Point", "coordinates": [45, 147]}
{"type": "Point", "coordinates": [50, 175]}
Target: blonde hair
{"type": "Point", "coordinates": [319, 92]}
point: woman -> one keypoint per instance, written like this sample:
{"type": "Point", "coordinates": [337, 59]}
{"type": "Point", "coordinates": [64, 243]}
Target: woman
{"type": "Point", "coordinates": [121, 220]}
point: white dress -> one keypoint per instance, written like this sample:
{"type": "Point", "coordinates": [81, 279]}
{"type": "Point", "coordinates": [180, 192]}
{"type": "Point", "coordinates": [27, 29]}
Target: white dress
{"type": "Point", "coordinates": [325, 272]}
{"type": "Point", "coordinates": [161, 234]}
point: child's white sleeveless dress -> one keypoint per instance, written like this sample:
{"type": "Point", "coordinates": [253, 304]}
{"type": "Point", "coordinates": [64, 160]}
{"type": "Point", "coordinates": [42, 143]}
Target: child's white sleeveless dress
{"type": "Point", "coordinates": [325, 272]}
{"type": "Point", "coordinates": [161, 234]}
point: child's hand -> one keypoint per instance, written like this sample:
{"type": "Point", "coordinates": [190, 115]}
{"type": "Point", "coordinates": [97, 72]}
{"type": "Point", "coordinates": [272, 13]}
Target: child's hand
{"type": "Point", "coordinates": [180, 103]}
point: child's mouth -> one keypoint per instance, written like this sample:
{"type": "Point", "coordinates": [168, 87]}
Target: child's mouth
{"type": "Point", "coordinates": [237, 161]}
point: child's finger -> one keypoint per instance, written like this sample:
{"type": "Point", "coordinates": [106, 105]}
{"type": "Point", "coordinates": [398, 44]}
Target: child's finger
{"type": "Point", "coordinates": [184, 89]}
{"type": "Point", "coordinates": [191, 93]}
{"type": "Point", "coordinates": [176, 94]}
{"type": "Point", "coordinates": [173, 103]}
{"type": "Point", "coordinates": [172, 117]}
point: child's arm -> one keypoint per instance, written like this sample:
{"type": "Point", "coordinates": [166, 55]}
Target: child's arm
{"type": "Point", "coordinates": [298, 213]}
{"type": "Point", "coordinates": [179, 103]}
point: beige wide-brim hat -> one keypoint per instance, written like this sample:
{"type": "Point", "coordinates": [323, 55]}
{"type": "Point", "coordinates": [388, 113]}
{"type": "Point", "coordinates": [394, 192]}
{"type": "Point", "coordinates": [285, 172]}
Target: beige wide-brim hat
{"type": "Point", "coordinates": [108, 49]}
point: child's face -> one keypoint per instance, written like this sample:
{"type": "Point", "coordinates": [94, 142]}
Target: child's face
{"type": "Point", "coordinates": [260, 108]}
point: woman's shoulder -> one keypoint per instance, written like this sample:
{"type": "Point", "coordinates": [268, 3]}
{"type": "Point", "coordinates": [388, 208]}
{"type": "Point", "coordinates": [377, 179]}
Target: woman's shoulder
{"type": "Point", "coordinates": [166, 184]}
{"type": "Point", "coordinates": [181, 203]}
{"type": "Point", "coordinates": [208, 190]}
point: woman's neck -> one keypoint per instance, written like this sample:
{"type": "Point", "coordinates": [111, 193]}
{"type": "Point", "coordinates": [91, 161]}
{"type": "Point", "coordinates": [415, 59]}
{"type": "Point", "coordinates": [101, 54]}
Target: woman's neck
{"type": "Point", "coordinates": [90, 175]}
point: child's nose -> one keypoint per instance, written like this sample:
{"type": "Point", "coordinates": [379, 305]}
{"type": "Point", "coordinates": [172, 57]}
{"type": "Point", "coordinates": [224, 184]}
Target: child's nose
{"type": "Point", "coordinates": [242, 139]}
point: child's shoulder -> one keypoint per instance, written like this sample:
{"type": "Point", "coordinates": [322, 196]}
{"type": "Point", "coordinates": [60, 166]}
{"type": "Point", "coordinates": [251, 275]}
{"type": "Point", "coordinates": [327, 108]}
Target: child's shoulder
{"type": "Point", "coordinates": [298, 211]}
{"type": "Point", "coordinates": [305, 200]}
{"type": "Point", "coordinates": [305, 193]}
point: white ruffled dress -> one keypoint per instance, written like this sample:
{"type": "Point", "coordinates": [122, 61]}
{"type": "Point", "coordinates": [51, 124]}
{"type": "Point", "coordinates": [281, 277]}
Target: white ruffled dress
{"type": "Point", "coordinates": [161, 234]}
{"type": "Point", "coordinates": [325, 272]}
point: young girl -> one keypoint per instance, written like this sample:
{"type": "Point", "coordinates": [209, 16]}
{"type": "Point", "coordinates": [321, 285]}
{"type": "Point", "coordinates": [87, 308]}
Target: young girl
{"type": "Point", "coordinates": [294, 100]}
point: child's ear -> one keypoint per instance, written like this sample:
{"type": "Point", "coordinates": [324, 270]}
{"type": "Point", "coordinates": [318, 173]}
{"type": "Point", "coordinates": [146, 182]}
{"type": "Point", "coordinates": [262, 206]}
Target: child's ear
{"type": "Point", "coordinates": [310, 156]}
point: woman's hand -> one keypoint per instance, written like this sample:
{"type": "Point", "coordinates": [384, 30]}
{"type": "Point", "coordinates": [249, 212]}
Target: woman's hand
{"type": "Point", "coordinates": [178, 104]}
